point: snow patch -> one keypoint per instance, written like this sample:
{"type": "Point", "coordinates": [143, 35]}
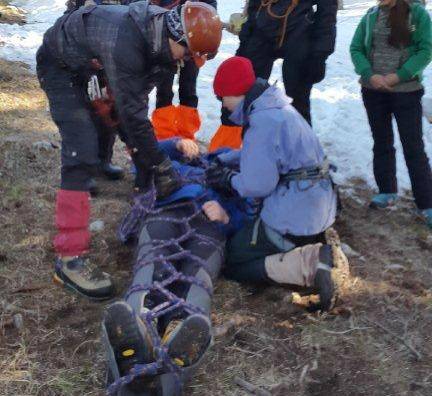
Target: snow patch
{"type": "Point", "coordinates": [338, 114]}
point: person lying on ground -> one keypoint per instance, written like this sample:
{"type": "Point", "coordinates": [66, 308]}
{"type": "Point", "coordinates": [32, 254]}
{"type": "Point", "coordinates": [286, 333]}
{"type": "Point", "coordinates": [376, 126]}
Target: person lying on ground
{"type": "Point", "coordinates": [156, 337]}
{"type": "Point", "coordinates": [282, 163]}
{"type": "Point", "coordinates": [135, 44]}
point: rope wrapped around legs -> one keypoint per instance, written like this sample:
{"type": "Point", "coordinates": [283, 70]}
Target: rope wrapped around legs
{"type": "Point", "coordinates": [144, 211]}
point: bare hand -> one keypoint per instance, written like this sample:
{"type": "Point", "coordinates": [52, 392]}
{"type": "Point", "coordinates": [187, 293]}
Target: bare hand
{"type": "Point", "coordinates": [215, 212]}
{"type": "Point", "coordinates": [188, 148]}
{"type": "Point", "coordinates": [392, 79]}
{"type": "Point", "coordinates": [378, 82]}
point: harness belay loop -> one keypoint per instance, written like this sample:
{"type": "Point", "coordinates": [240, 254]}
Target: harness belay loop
{"type": "Point", "coordinates": [312, 173]}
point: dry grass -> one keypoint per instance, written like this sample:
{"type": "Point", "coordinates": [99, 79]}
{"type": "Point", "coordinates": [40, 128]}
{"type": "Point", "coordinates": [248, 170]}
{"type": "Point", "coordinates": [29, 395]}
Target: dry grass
{"type": "Point", "coordinates": [278, 346]}
{"type": "Point", "coordinates": [22, 103]}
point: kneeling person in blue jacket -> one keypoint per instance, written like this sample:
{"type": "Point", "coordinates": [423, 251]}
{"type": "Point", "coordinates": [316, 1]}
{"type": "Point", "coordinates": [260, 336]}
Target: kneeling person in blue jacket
{"type": "Point", "coordinates": [283, 164]}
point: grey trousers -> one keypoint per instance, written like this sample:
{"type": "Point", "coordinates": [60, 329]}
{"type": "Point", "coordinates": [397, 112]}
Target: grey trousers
{"type": "Point", "coordinates": [162, 228]}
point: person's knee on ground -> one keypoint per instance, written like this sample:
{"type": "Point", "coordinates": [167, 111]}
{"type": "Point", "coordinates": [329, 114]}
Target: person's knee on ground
{"type": "Point", "coordinates": [307, 266]}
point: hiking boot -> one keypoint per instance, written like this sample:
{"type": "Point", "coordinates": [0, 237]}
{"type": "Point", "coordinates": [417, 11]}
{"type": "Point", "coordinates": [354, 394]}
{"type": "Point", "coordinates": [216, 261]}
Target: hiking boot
{"type": "Point", "coordinates": [79, 275]}
{"type": "Point", "coordinates": [166, 179]}
{"type": "Point", "coordinates": [427, 216]}
{"type": "Point", "coordinates": [383, 201]}
{"type": "Point", "coordinates": [128, 343]}
{"type": "Point", "coordinates": [323, 280]}
{"type": "Point", "coordinates": [188, 340]}
{"type": "Point", "coordinates": [111, 172]}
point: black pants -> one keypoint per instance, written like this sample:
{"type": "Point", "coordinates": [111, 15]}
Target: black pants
{"type": "Point", "coordinates": [106, 139]}
{"type": "Point", "coordinates": [187, 87]}
{"type": "Point", "coordinates": [407, 110]}
{"type": "Point", "coordinates": [72, 115]}
{"type": "Point", "coordinates": [294, 53]}
{"type": "Point", "coordinates": [245, 260]}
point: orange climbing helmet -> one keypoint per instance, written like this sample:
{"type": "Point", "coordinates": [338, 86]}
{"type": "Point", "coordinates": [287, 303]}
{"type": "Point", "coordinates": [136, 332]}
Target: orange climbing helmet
{"type": "Point", "coordinates": [203, 30]}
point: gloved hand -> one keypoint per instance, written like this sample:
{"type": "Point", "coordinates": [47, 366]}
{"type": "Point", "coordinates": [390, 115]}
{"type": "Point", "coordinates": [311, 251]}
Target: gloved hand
{"type": "Point", "coordinates": [219, 178]}
{"type": "Point", "coordinates": [315, 69]}
{"type": "Point", "coordinates": [102, 101]}
{"type": "Point", "coordinates": [235, 23]}
{"type": "Point", "coordinates": [166, 179]}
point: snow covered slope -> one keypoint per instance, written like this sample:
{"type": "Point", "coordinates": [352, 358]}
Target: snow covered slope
{"type": "Point", "coordinates": [338, 114]}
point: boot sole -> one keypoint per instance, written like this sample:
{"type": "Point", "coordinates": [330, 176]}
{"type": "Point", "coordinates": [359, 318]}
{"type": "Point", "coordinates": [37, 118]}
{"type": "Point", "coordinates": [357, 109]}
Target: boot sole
{"type": "Point", "coordinates": [126, 341]}
{"type": "Point", "coordinates": [188, 344]}
{"type": "Point", "coordinates": [326, 280]}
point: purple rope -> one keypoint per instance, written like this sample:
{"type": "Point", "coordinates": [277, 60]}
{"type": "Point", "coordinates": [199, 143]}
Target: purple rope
{"type": "Point", "coordinates": [130, 227]}
{"type": "Point", "coordinates": [131, 224]}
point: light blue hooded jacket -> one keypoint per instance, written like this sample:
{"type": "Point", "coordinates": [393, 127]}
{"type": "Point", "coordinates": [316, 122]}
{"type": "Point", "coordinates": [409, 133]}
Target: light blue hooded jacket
{"type": "Point", "coordinates": [279, 140]}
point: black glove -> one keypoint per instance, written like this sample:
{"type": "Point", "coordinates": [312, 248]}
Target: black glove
{"type": "Point", "coordinates": [315, 69]}
{"type": "Point", "coordinates": [166, 179]}
{"type": "Point", "coordinates": [218, 177]}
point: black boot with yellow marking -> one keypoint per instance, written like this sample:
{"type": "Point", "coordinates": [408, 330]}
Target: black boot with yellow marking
{"type": "Point", "coordinates": [128, 343]}
{"type": "Point", "coordinates": [188, 340]}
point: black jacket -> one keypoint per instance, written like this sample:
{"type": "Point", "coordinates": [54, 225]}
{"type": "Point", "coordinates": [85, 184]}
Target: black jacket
{"type": "Point", "coordinates": [73, 5]}
{"type": "Point", "coordinates": [132, 44]}
{"type": "Point", "coordinates": [173, 3]}
{"type": "Point", "coordinates": [319, 26]}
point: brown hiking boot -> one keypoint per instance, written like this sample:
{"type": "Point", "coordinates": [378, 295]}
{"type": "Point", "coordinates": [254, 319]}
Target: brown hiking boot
{"type": "Point", "coordinates": [83, 277]}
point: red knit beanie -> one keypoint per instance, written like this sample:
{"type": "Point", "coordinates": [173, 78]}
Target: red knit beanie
{"type": "Point", "coordinates": [234, 77]}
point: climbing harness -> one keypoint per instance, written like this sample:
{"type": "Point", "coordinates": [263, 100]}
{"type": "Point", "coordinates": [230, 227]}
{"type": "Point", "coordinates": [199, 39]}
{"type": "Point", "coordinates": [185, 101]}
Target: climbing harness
{"type": "Point", "coordinates": [312, 173]}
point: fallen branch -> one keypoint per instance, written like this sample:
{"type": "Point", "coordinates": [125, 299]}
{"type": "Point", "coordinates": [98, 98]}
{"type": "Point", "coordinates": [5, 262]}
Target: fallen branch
{"type": "Point", "coordinates": [30, 289]}
{"type": "Point", "coordinates": [234, 322]}
{"type": "Point", "coordinates": [414, 351]}
{"type": "Point", "coordinates": [303, 374]}
{"type": "Point", "coordinates": [346, 331]}
{"type": "Point", "coordinates": [250, 388]}
{"type": "Point", "coordinates": [80, 345]}
{"type": "Point", "coordinates": [235, 348]}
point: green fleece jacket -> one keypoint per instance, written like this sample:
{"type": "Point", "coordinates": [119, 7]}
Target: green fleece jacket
{"type": "Point", "coordinates": [420, 49]}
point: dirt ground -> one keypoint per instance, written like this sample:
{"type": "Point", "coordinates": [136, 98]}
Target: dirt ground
{"type": "Point", "coordinates": [377, 341]}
